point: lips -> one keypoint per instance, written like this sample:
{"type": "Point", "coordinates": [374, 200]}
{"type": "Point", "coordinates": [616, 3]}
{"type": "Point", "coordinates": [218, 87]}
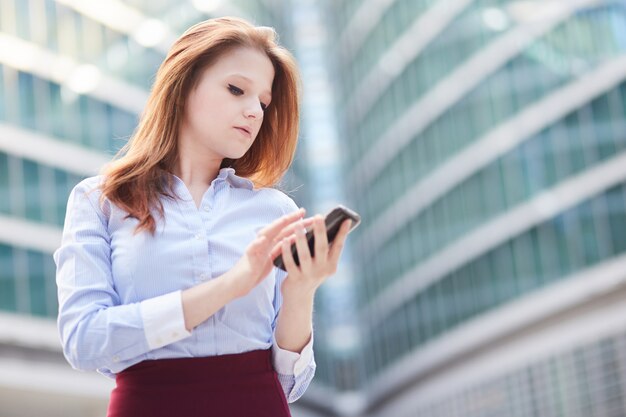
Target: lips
{"type": "Point", "coordinates": [245, 130]}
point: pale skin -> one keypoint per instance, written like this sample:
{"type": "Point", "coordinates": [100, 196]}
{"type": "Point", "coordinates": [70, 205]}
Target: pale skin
{"type": "Point", "coordinates": [211, 132]}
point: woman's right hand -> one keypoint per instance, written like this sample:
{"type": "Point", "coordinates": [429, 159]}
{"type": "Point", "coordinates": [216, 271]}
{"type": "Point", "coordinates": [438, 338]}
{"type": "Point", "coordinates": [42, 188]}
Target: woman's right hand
{"type": "Point", "coordinates": [257, 261]}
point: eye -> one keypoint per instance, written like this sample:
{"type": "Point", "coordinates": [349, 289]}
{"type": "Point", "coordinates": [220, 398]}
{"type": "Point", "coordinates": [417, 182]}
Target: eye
{"type": "Point", "coordinates": [238, 92]}
{"type": "Point", "coordinates": [235, 90]}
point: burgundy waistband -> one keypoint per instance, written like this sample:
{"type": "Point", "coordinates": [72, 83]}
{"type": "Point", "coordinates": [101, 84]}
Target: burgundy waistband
{"type": "Point", "coordinates": [203, 369]}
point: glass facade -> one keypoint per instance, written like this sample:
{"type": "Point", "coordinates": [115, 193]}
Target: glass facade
{"type": "Point", "coordinates": [35, 192]}
{"type": "Point", "coordinates": [564, 149]}
{"type": "Point", "coordinates": [586, 381]}
{"type": "Point", "coordinates": [50, 119]}
{"type": "Point", "coordinates": [593, 231]}
{"type": "Point", "coordinates": [574, 240]}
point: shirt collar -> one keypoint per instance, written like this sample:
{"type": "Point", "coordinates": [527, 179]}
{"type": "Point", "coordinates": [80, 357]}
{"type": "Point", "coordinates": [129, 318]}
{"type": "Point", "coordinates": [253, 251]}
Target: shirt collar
{"type": "Point", "coordinates": [228, 174]}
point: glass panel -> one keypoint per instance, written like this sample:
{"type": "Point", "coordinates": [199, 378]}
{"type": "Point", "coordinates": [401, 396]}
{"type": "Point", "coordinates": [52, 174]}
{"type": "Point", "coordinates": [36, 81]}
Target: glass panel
{"type": "Point", "coordinates": [26, 100]}
{"type": "Point", "coordinates": [3, 99]}
{"type": "Point", "coordinates": [41, 109]}
{"type": "Point", "coordinates": [617, 218]}
{"type": "Point", "coordinates": [5, 203]}
{"type": "Point", "coordinates": [37, 285]}
{"type": "Point", "coordinates": [31, 191]}
{"type": "Point", "coordinates": [67, 37]}
{"type": "Point", "coordinates": [57, 116]}
{"type": "Point", "coordinates": [7, 17]}
{"type": "Point", "coordinates": [122, 125]}
{"type": "Point", "coordinates": [99, 130]}
{"type": "Point", "coordinates": [7, 279]}
{"type": "Point", "coordinates": [23, 23]}
{"type": "Point", "coordinates": [20, 271]}
{"type": "Point", "coordinates": [52, 42]}
{"type": "Point", "coordinates": [16, 186]}
{"type": "Point", "coordinates": [47, 192]}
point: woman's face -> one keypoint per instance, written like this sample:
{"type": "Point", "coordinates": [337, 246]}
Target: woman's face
{"type": "Point", "coordinates": [225, 111]}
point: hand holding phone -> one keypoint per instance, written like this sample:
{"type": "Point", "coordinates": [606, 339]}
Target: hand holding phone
{"type": "Point", "coordinates": [334, 219]}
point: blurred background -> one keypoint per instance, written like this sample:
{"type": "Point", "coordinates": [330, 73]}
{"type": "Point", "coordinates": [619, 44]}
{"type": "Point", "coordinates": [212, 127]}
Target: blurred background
{"type": "Point", "coordinates": [482, 141]}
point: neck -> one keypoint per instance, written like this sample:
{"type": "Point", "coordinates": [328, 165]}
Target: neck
{"type": "Point", "coordinates": [196, 166]}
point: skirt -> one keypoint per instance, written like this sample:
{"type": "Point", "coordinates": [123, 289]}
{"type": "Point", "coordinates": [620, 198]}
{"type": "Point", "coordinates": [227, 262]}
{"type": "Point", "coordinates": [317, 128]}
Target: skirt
{"type": "Point", "coordinates": [235, 385]}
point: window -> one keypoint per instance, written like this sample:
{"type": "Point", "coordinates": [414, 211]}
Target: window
{"type": "Point", "coordinates": [3, 99]}
{"type": "Point", "coordinates": [47, 193]}
{"type": "Point", "coordinates": [37, 283]}
{"type": "Point", "coordinates": [22, 10]}
{"type": "Point", "coordinates": [33, 203]}
{"type": "Point", "coordinates": [42, 116]}
{"type": "Point", "coordinates": [7, 281]}
{"type": "Point", "coordinates": [617, 218]}
{"type": "Point", "coordinates": [8, 21]}
{"type": "Point", "coordinates": [51, 38]}
{"type": "Point", "coordinates": [589, 242]}
{"type": "Point", "coordinates": [57, 115]}
{"type": "Point", "coordinates": [26, 100]}
{"type": "Point", "coordinates": [5, 195]}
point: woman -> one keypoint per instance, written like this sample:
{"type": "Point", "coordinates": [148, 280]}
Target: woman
{"type": "Point", "coordinates": [165, 273]}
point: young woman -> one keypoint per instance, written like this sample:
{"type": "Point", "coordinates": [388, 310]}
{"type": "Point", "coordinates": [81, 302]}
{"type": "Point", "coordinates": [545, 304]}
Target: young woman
{"type": "Point", "coordinates": [165, 274]}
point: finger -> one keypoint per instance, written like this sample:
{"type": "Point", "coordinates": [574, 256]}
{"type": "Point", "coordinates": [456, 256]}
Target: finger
{"type": "Point", "coordinates": [288, 261]}
{"type": "Point", "coordinates": [291, 229]}
{"type": "Point", "coordinates": [279, 224]}
{"type": "Point", "coordinates": [277, 249]}
{"type": "Point", "coordinates": [338, 243]}
{"type": "Point", "coordinates": [321, 238]}
{"type": "Point", "coordinates": [304, 254]}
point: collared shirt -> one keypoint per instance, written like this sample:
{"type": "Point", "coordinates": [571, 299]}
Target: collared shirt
{"type": "Point", "coordinates": [120, 293]}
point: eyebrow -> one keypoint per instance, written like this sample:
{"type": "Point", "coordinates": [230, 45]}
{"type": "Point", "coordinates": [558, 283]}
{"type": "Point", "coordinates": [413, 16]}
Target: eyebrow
{"type": "Point", "coordinates": [268, 92]}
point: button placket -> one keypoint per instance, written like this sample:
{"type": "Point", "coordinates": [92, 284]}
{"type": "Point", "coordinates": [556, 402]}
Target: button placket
{"type": "Point", "coordinates": [206, 206]}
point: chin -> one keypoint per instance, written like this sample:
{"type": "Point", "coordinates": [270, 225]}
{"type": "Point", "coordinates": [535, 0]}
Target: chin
{"type": "Point", "coordinates": [235, 155]}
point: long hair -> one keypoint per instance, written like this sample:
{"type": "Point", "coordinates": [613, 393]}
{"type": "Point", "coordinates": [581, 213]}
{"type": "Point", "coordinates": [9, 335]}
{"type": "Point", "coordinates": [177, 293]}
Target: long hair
{"type": "Point", "coordinates": [134, 179]}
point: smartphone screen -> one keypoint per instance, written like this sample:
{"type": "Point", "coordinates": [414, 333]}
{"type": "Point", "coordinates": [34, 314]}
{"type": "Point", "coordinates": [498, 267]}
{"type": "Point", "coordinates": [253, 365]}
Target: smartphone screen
{"type": "Point", "coordinates": [333, 221]}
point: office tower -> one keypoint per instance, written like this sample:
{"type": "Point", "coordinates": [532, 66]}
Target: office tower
{"type": "Point", "coordinates": [487, 157]}
{"type": "Point", "coordinates": [74, 76]}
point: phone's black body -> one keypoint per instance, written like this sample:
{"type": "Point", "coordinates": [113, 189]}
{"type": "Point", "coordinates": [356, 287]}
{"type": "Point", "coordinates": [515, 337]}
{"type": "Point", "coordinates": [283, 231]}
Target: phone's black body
{"type": "Point", "coordinates": [333, 221]}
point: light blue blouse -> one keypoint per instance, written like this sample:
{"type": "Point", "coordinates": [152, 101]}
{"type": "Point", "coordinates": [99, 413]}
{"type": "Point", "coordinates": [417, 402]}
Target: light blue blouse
{"type": "Point", "coordinates": [120, 293]}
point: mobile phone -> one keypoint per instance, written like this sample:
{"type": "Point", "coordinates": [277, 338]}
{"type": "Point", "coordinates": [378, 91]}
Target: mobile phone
{"type": "Point", "coordinates": [333, 220]}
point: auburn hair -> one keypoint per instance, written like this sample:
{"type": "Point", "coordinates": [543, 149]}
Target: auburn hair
{"type": "Point", "coordinates": [134, 180]}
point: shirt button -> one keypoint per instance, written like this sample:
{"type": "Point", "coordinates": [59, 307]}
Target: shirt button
{"type": "Point", "coordinates": [207, 208]}
{"type": "Point", "coordinates": [174, 334]}
{"type": "Point", "coordinates": [199, 236]}
{"type": "Point", "coordinates": [203, 277]}
{"type": "Point", "coordinates": [116, 359]}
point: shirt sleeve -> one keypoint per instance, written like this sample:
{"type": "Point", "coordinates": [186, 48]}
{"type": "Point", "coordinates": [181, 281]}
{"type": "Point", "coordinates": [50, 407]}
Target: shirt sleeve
{"type": "Point", "coordinates": [96, 329]}
{"type": "Point", "coordinates": [295, 370]}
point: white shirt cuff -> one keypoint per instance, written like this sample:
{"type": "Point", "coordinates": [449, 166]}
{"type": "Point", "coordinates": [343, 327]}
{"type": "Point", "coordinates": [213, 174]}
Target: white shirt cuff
{"type": "Point", "coordinates": [287, 362]}
{"type": "Point", "coordinates": [163, 319]}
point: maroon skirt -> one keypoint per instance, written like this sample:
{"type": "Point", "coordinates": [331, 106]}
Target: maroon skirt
{"type": "Point", "coordinates": [237, 385]}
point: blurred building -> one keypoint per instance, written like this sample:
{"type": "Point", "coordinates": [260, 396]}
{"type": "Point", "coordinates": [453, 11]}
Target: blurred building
{"type": "Point", "coordinates": [486, 153]}
{"type": "Point", "coordinates": [74, 77]}
{"type": "Point", "coordinates": [483, 143]}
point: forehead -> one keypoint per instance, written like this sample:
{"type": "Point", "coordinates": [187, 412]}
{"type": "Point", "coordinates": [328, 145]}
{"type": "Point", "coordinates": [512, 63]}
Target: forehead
{"type": "Point", "coordinates": [249, 64]}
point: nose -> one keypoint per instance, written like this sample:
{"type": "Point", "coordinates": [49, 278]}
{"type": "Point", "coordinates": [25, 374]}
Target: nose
{"type": "Point", "coordinates": [254, 110]}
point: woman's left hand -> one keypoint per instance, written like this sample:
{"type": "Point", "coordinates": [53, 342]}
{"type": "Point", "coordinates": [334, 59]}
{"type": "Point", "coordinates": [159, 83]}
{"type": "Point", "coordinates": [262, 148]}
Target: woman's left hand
{"type": "Point", "coordinates": [304, 280]}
